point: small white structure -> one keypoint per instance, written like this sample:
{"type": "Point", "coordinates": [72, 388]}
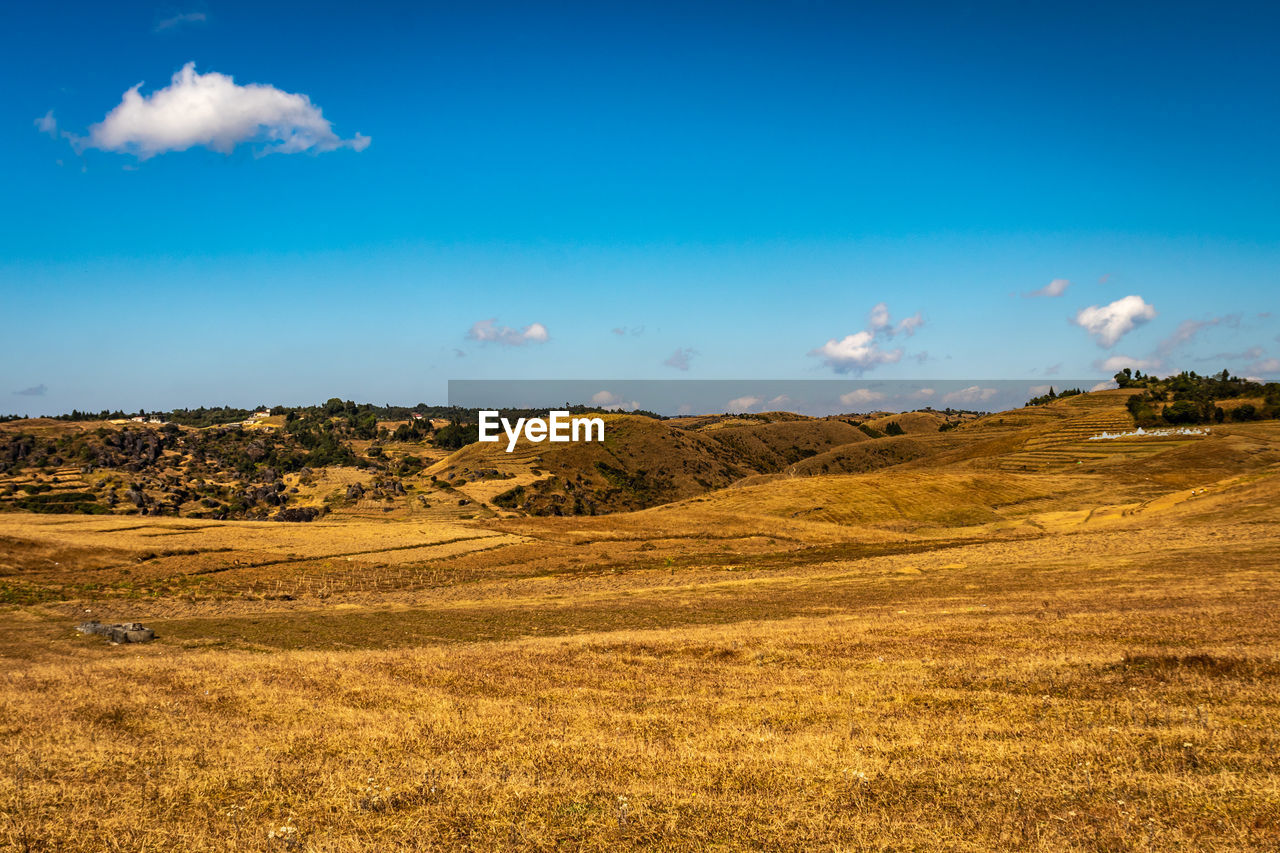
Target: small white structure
{"type": "Point", "coordinates": [1155, 433]}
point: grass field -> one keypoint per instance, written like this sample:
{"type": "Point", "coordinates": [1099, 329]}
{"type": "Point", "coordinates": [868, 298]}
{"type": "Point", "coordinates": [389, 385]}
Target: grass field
{"type": "Point", "coordinates": [954, 654]}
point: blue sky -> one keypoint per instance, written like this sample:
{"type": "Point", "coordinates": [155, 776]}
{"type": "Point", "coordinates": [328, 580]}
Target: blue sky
{"type": "Point", "coordinates": [700, 190]}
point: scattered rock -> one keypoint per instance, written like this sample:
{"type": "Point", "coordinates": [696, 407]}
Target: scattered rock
{"type": "Point", "coordinates": [121, 632]}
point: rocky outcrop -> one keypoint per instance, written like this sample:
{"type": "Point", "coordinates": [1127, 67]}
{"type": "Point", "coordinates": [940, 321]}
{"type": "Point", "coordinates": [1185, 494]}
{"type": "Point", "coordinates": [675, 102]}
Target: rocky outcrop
{"type": "Point", "coordinates": [299, 513]}
{"type": "Point", "coordinates": [121, 632]}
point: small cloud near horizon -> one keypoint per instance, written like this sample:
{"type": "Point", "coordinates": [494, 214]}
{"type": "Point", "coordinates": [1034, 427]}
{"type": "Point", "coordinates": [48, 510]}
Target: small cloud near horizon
{"type": "Point", "coordinates": [970, 395]}
{"type": "Point", "coordinates": [1116, 363]}
{"type": "Point", "coordinates": [1265, 365]}
{"type": "Point", "coordinates": [861, 397]}
{"type": "Point", "coordinates": [611, 402]}
{"type": "Point", "coordinates": [34, 391]}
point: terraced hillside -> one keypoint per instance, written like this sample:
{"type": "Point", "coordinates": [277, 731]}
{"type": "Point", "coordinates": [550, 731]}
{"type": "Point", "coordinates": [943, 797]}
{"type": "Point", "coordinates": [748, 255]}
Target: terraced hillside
{"type": "Point", "coordinates": [1069, 442]}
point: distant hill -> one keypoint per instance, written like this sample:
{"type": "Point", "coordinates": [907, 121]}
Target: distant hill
{"type": "Point", "coordinates": [643, 462]}
{"type": "Point", "coordinates": [298, 467]}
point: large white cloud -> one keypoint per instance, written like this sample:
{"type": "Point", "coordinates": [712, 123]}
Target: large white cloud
{"type": "Point", "coordinates": [855, 353]}
{"type": "Point", "coordinates": [1109, 323]}
{"type": "Point", "coordinates": [213, 111]}
{"type": "Point", "coordinates": [861, 351]}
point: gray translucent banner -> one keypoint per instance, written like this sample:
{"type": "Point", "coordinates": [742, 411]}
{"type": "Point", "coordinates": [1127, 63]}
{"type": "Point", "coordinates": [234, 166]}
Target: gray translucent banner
{"type": "Point", "coordinates": [816, 397]}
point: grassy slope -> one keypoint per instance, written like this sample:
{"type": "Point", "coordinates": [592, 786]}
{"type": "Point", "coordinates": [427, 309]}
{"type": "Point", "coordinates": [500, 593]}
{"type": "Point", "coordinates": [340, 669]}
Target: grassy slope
{"type": "Point", "coordinates": [944, 655]}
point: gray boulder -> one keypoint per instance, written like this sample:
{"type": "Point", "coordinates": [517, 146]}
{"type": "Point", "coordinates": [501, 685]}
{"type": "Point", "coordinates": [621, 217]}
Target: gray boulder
{"type": "Point", "coordinates": [121, 632]}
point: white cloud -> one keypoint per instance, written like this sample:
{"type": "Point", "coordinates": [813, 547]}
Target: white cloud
{"type": "Point", "coordinates": [47, 124]}
{"type": "Point", "coordinates": [1265, 365]}
{"type": "Point", "coordinates": [1057, 287]}
{"type": "Point", "coordinates": [487, 331]}
{"type": "Point", "coordinates": [212, 111]}
{"type": "Point", "coordinates": [861, 397]}
{"type": "Point", "coordinates": [1114, 364]}
{"type": "Point", "coordinates": [779, 400]}
{"type": "Point", "coordinates": [1105, 386]}
{"type": "Point", "coordinates": [1119, 362]}
{"type": "Point", "coordinates": [1188, 329]}
{"type": "Point", "coordinates": [879, 317]}
{"type": "Point", "coordinates": [741, 404]}
{"type": "Point", "coordinates": [925, 392]}
{"type": "Point", "coordinates": [909, 325]}
{"type": "Point", "coordinates": [680, 358]}
{"type": "Point", "coordinates": [611, 402]}
{"type": "Point", "coordinates": [855, 353]}
{"type": "Point", "coordinates": [1039, 390]}
{"type": "Point", "coordinates": [862, 351]}
{"type": "Point", "coordinates": [1252, 353]}
{"type": "Point", "coordinates": [1109, 323]}
{"type": "Point", "coordinates": [972, 394]}
{"type": "Point", "coordinates": [180, 20]}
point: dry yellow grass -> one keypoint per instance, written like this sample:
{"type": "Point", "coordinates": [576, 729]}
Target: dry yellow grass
{"type": "Point", "coordinates": [953, 657]}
